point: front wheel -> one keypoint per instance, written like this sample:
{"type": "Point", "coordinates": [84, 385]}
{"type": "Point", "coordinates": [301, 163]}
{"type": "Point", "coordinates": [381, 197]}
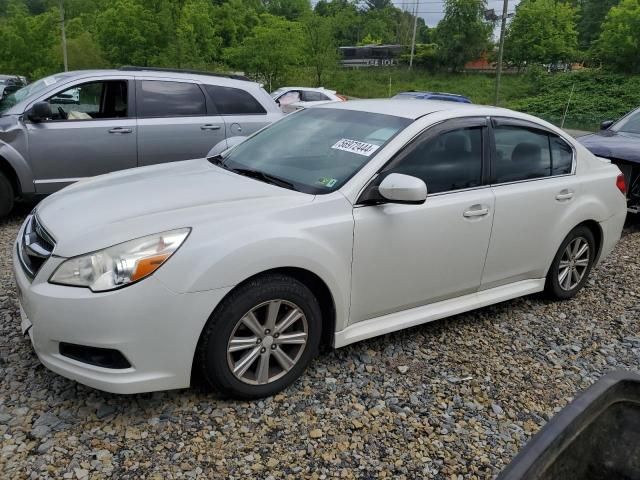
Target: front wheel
{"type": "Point", "coordinates": [572, 264]}
{"type": "Point", "coordinates": [261, 337]}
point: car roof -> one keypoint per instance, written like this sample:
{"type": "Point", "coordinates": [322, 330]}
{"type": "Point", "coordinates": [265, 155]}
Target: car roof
{"type": "Point", "coordinates": [413, 110]}
{"type": "Point", "coordinates": [309, 89]}
{"type": "Point", "coordinates": [416, 92]}
{"type": "Point", "coordinates": [203, 77]}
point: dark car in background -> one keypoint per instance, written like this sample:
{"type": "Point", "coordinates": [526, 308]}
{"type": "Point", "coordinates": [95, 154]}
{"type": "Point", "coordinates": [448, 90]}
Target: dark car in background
{"type": "Point", "coordinates": [447, 97]}
{"type": "Point", "coordinates": [10, 84]}
{"type": "Point", "coordinates": [619, 141]}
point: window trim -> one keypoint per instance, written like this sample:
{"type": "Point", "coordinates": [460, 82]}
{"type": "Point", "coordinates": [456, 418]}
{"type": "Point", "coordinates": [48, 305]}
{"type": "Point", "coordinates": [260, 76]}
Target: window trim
{"type": "Point", "coordinates": [131, 110]}
{"type": "Point", "coordinates": [139, 97]}
{"type": "Point", "coordinates": [428, 134]}
{"type": "Point", "coordinates": [527, 125]}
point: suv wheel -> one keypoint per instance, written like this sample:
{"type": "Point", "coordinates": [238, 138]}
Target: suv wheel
{"type": "Point", "coordinates": [6, 195]}
{"type": "Point", "coordinates": [572, 264]}
{"type": "Point", "coordinates": [261, 337]}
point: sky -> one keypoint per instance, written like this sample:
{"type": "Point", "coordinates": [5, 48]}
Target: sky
{"type": "Point", "coordinates": [432, 10]}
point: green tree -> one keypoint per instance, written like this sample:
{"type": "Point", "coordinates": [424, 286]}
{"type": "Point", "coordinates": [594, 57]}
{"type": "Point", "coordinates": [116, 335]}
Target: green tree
{"type": "Point", "coordinates": [289, 9]}
{"type": "Point", "coordinates": [463, 34]}
{"type": "Point", "coordinates": [319, 45]}
{"type": "Point", "coordinates": [542, 31]}
{"type": "Point", "coordinates": [618, 46]}
{"type": "Point", "coordinates": [592, 14]}
{"type": "Point", "coordinates": [129, 33]}
{"type": "Point", "coordinates": [197, 42]}
{"type": "Point", "coordinates": [273, 47]}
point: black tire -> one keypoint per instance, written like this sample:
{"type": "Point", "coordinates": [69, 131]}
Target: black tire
{"type": "Point", "coordinates": [211, 354]}
{"type": "Point", "coordinates": [553, 288]}
{"type": "Point", "coordinates": [7, 196]}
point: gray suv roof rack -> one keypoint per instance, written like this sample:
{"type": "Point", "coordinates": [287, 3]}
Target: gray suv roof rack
{"type": "Point", "coordinates": [130, 68]}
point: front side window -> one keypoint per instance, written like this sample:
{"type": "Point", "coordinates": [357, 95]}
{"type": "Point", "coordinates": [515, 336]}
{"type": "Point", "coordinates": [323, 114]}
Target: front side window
{"type": "Point", "coordinates": [446, 162]}
{"type": "Point", "coordinates": [316, 150]}
{"type": "Point", "coordinates": [91, 101]}
{"type": "Point", "coordinates": [170, 99]}
{"type": "Point", "coordinates": [234, 101]}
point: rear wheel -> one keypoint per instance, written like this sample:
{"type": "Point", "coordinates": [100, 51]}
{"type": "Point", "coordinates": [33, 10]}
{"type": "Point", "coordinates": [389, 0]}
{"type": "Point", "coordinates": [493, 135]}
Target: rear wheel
{"type": "Point", "coordinates": [572, 264]}
{"type": "Point", "coordinates": [6, 196]}
{"type": "Point", "coordinates": [261, 337]}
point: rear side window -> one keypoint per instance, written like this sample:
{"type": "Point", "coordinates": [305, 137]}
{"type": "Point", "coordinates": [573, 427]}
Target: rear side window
{"type": "Point", "coordinates": [314, 97]}
{"type": "Point", "coordinates": [170, 99]}
{"type": "Point", "coordinates": [234, 101]}
{"type": "Point", "coordinates": [521, 154]}
{"type": "Point", "coordinates": [561, 156]}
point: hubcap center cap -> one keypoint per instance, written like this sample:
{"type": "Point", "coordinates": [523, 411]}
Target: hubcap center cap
{"type": "Point", "coordinates": [267, 341]}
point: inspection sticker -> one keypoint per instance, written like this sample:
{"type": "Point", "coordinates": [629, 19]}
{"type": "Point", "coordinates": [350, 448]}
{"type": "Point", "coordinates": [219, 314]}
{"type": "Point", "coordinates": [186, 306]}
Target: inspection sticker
{"type": "Point", "coordinates": [354, 146]}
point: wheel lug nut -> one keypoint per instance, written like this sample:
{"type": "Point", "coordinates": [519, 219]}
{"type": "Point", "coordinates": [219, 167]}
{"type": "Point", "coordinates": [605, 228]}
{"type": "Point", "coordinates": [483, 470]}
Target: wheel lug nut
{"type": "Point", "coordinates": [276, 335]}
{"type": "Point", "coordinates": [263, 350]}
{"type": "Point", "coordinates": [267, 331]}
{"type": "Point", "coordinates": [259, 340]}
{"type": "Point", "coordinates": [273, 347]}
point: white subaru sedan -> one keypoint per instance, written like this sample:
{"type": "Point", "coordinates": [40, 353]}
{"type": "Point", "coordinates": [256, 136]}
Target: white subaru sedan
{"type": "Point", "coordinates": [336, 224]}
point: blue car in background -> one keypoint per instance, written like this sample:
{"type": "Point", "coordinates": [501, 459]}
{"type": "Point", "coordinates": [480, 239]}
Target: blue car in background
{"type": "Point", "coordinates": [447, 97]}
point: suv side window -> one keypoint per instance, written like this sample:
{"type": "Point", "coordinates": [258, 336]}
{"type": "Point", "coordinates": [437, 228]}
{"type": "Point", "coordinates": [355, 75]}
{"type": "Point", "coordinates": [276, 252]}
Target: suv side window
{"type": "Point", "coordinates": [449, 161]}
{"type": "Point", "coordinates": [234, 101]}
{"type": "Point", "coordinates": [525, 153]}
{"type": "Point", "coordinates": [313, 96]}
{"type": "Point", "coordinates": [90, 101]}
{"type": "Point", "coordinates": [170, 99]}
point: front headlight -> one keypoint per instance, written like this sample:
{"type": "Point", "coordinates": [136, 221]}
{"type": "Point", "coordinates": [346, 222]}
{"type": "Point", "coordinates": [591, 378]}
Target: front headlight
{"type": "Point", "coordinates": [121, 264]}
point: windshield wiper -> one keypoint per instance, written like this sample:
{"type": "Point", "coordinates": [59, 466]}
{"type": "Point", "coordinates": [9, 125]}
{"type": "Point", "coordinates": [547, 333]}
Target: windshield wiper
{"type": "Point", "coordinates": [217, 160]}
{"type": "Point", "coordinates": [264, 177]}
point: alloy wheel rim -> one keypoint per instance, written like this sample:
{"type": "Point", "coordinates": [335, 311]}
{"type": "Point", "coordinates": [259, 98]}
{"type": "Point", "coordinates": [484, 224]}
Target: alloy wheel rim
{"type": "Point", "coordinates": [267, 342]}
{"type": "Point", "coordinates": [573, 264]}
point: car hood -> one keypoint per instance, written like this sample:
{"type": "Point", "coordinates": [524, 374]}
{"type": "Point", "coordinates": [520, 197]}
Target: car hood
{"type": "Point", "coordinates": [113, 208]}
{"type": "Point", "coordinates": [616, 145]}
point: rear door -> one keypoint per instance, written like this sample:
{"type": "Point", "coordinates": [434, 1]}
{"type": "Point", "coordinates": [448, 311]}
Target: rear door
{"type": "Point", "coordinates": [243, 114]}
{"type": "Point", "coordinates": [534, 186]}
{"type": "Point", "coordinates": [174, 121]}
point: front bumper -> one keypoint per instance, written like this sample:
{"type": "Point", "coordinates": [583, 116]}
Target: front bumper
{"type": "Point", "coordinates": [156, 329]}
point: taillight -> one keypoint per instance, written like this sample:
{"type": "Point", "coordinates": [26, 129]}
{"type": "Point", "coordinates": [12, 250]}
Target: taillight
{"type": "Point", "coordinates": [621, 184]}
{"type": "Point", "coordinates": [341, 97]}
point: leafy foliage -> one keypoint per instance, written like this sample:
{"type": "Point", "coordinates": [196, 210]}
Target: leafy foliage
{"type": "Point", "coordinates": [619, 43]}
{"type": "Point", "coordinates": [543, 31]}
{"type": "Point", "coordinates": [463, 34]}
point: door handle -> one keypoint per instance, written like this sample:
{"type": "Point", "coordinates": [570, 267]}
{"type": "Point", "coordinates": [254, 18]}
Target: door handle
{"type": "Point", "coordinates": [564, 195]}
{"type": "Point", "coordinates": [209, 126]}
{"type": "Point", "coordinates": [120, 130]}
{"type": "Point", "coordinates": [476, 211]}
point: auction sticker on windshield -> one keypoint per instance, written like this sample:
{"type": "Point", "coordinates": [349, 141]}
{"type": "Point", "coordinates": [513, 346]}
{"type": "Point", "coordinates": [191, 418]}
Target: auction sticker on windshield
{"type": "Point", "coordinates": [354, 146]}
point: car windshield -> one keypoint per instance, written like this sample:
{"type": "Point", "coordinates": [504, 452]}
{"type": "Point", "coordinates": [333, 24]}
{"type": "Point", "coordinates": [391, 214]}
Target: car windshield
{"type": "Point", "coordinates": [629, 124]}
{"type": "Point", "coordinates": [19, 95]}
{"type": "Point", "coordinates": [316, 150]}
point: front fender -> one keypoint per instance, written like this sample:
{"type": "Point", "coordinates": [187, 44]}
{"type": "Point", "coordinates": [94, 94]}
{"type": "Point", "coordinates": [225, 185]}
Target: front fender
{"type": "Point", "coordinates": [10, 136]}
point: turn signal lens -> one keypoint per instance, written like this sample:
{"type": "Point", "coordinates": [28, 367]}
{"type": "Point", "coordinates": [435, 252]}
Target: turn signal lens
{"type": "Point", "coordinates": [621, 184]}
{"type": "Point", "coordinates": [121, 264]}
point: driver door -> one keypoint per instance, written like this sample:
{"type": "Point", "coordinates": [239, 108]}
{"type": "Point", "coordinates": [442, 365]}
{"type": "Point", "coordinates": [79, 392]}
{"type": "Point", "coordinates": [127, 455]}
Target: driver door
{"type": "Point", "coordinates": [92, 131]}
{"type": "Point", "coordinates": [407, 256]}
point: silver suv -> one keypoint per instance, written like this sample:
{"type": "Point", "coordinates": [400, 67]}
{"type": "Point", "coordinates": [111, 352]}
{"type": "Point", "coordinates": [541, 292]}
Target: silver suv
{"type": "Point", "coordinates": [73, 125]}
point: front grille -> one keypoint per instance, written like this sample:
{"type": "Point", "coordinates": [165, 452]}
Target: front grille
{"type": "Point", "coordinates": [35, 246]}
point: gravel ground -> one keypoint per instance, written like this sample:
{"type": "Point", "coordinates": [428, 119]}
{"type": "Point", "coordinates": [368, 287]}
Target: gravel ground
{"type": "Point", "coordinates": [452, 399]}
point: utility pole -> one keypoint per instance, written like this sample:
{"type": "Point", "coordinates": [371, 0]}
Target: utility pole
{"type": "Point", "coordinates": [64, 37]}
{"type": "Point", "coordinates": [501, 50]}
{"type": "Point", "coordinates": [413, 39]}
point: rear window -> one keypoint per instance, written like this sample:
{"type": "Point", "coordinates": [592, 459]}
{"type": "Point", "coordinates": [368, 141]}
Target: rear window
{"type": "Point", "coordinates": [170, 99]}
{"type": "Point", "coordinates": [234, 101]}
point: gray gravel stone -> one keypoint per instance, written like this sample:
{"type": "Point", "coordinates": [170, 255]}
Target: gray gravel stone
{"type": "Point", "coordinates": [476, 387]}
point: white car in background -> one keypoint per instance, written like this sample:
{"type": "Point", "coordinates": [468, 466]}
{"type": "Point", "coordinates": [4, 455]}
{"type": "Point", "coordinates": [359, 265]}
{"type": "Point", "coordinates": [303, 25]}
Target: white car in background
{"type": "Point", "coordinates": [291, 99]}
{"type": "Point", "coordinates": [333, 225]}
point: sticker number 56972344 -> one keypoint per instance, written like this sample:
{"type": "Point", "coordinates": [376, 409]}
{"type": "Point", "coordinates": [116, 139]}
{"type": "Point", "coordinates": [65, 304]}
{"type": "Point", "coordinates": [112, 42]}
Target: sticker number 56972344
{"type": "Point", "coordinates": [354, 146]}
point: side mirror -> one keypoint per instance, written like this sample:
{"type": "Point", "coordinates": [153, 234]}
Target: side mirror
{"type": "Point", "coordinates": [40, 112]}
{"type": "Point", "coordinates": [606, 125]}
{"type": "Point", "coordinates": [399, 188]}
